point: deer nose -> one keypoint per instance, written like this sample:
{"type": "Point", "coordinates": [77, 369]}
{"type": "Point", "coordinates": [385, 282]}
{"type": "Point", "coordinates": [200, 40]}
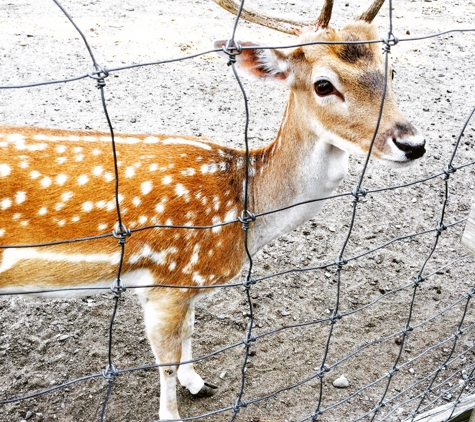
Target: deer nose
{"type": "Point", "coordinates": [412, 151]}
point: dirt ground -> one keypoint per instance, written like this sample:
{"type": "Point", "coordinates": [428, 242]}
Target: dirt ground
{"type": "Point", "coordinates": [44, 343]}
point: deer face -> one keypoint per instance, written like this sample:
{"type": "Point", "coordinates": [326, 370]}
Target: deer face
{"type": "Point", "coordinates": [342, 88]}
{"type": "Point", "coordinates": [337, 90]}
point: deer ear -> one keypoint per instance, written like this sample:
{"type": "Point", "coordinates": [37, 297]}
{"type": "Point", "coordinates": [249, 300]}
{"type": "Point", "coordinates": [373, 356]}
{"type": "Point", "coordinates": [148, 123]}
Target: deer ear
{"type": "Point", "coordinates": [259, 62]}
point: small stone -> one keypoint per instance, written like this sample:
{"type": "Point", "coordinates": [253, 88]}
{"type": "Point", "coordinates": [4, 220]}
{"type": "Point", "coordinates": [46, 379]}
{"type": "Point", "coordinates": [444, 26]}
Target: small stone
{"type": "Point", "coordinates": [341, 382]}
{"type": "Point", "coordinates": [28, 415]}
{"type": "Point", "coordinates": [63, 337]}
{"type": "Point", "coordinates": [222, 374]}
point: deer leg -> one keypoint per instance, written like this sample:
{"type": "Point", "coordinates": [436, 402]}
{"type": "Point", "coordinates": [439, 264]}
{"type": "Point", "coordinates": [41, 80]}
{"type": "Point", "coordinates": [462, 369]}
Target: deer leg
{"type": "Point", "coordinates": [164, 316]}
{"type": "Point", "coordinates": [186, 373]}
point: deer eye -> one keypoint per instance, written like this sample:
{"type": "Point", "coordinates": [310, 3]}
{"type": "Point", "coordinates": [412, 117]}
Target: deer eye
{"type": "Point", "coordinates": [323, 88]}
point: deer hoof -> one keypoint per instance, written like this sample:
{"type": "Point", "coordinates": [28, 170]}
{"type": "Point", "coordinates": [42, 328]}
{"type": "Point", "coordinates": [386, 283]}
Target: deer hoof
{"type": "Point", "coordinates": [207, 390]}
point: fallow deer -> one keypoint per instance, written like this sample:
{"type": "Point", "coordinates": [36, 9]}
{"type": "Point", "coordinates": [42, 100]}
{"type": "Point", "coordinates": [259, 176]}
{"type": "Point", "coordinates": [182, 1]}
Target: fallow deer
{"type": "Point", "coordinates": [58, 185]}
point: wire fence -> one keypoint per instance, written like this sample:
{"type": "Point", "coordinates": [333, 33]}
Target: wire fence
{"type": "Point", "coordinates": [451, 376]}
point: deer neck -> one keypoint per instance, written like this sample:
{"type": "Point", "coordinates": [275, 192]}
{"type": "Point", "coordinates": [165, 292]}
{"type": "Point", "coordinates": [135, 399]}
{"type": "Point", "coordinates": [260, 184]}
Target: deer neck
{"type": "Point", "coordinates": [298, 166]}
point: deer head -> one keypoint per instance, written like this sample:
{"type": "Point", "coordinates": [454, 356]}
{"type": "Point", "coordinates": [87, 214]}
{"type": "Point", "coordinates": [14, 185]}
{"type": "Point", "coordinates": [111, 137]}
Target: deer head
{"type": "Point", "coordinates": [336, 88]}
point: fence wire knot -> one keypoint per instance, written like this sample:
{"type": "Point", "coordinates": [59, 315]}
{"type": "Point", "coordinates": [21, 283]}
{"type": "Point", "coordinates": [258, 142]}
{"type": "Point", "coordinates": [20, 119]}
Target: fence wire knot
{"type": "Point", "coordinates": [449, 169]}
{"type": "Point", "coordinates": [392, 371]}
{"type": "Point", "coordinates": [110, 373]}
{"type": "Point", "coordinates": [418, 280]}
{"type": "Point", "coordinates": [321, 371]}
{"type": "Point", "coordinates": [359, 192]}
{"type": "Point", "coordinates": [121, 234]}
{"type": "Point", "coordinates": [248, 281]}
{"type": "Point", "coordinates": [335, 317]}
{"type": "Point", "coordinates": [440, 228]}
{"type": "Point", "coordinates": [118, 287]}
{"type": "Point", "coordinates": [99, 73]}
{"type": "Point", "coordinates": [232, 49]}
{"type": "Point", "coordinates": [340, 262]}
{"type": "Point", "coordinates": [239, 403]}
{"type": "Point", "coordinates": [389, 42]}
{"type": "Point", "coordinates": [315, 415]}
{"type": "Point", "coordinates": [246, 219]}
{"type": "Point", "coordinates": [249, 339]}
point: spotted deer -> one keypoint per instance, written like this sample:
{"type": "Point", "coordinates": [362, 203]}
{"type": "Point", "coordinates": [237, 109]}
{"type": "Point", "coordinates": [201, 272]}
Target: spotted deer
{"type": "Point", "coordinates": [58, 185]}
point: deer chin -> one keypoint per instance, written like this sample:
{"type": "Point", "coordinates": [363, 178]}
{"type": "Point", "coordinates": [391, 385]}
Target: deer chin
{"type": "Point", "coordinates": [396, 164]}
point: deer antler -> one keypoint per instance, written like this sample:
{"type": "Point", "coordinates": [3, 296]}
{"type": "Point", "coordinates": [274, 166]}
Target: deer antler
{"type": "Point", "coordinates": [293, 26]}
{"type": "Point", "coordinates": [279, 23]}
{"type": "Point", "coordinates": [325, 15]}
{"type": "Point", "coordinates": [372, 11]}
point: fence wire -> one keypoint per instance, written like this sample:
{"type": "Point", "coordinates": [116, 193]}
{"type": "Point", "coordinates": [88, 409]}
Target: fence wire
{"type": "Point", "coordinates": [419, 396]}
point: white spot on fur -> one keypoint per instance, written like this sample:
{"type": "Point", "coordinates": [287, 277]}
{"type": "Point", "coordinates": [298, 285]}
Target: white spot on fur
{"type": "Point", "coordinates": [146, 187]}
{"type": "Point", "coordinates": [66, 196]}
{"type": "Point", "coordinates": [188, 172]}
{"type": "Point", "coordinates": [20, 197]}
{"type": "Point", "coordinates": [83, 179]}
{"type": "Point", "coordinates": [167, 180]}
{"type": "Point", "coordinates": [35, 174]}
{"type": "Point", "coordinates": [5, 170]}
{"type": "Point", "coordinates": [198, 279]}
{"type": "Point", "coordinates": [6, 203]}
{"type": "Point", "coordinates": [193, 260]}
{"type": "Point", "coordinates": [61, 149]}
{"type": "Point", "coordinates": [102, 227]}
{"type": "Point", "coordinates": [61, 179]}
{"type": "Point", "coordinates": [136, 201]}
{"type": "Point", "coordinates": [129, 172]}
{"type": "Point", "coordinates": [97, 171]}
{"type": "Point", "coordinates": [216, 220]}
{"type": "Point", "coordinates": [142, 219]}
{"type": "Point", "coordinates": [87, 206]}
{"type": "Point", "coordinates": [46, 182]}
{"type": "Point", "coordinates": [109, 177]}
{"type": "Point", "coordinates": [61, 160]}
{"type": "Point", "coordinates": [42, 211]}
{"type": "Point", "coordinates": [153, 167]}
{"type": "Point", "coordinates": [2, 232]}
{"type": "Point", "coordinates": [180, 190]}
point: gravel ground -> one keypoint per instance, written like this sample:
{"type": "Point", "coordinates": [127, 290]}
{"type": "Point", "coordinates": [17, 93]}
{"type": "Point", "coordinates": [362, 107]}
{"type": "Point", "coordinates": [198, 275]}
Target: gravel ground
{"type": "Point", "coordinates": [44, 343]}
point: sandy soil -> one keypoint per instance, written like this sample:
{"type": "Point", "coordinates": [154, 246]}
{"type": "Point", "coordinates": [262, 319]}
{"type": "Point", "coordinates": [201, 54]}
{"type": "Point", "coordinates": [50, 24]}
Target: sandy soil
{"type": "Point", "coordinates": [46, 343]}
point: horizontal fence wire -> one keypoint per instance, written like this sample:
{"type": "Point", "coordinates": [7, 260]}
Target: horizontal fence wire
{"type": "Point", "coordinates": [418, 396]}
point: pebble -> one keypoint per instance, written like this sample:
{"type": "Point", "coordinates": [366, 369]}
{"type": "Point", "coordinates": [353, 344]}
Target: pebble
{"type": "Point", "coordinates": [341, 382]}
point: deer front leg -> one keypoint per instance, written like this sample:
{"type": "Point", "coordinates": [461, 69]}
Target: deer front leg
{"type": "Point", "coordinates": [164, 316]}
{"type": "Point", "coordinates": [186, 373]}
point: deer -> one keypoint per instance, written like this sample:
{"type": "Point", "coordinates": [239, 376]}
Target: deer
{"type": "Point", "coordinates": [59, 184]}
